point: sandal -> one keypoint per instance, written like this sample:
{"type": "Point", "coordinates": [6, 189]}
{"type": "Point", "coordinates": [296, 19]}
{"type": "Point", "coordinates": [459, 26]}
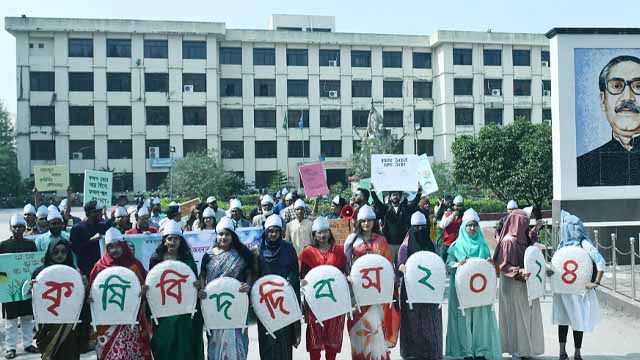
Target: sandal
{"type": "Point", "coordinates": [10, 354]}
{"type": "Point", "coordinates": [564, 356]}
{"type": "Point", "coordinates": [32, 349]}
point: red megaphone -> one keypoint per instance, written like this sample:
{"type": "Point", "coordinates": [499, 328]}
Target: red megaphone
{"type": "Point", "coordinates": [347, 212]}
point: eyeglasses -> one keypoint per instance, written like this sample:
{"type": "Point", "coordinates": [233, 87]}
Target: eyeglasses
{"type": "Point", "coordinates": [616, 86]}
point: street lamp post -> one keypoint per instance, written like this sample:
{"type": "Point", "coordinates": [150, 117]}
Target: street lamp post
{"type": "Point", "coordinates": [172, 150]}
{"type": "Point", "coordinates": [417, 127]}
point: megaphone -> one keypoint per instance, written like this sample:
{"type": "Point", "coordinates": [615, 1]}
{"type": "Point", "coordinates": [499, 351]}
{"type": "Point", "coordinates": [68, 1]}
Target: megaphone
{"type": "Point", "coordinates": [347, 212]}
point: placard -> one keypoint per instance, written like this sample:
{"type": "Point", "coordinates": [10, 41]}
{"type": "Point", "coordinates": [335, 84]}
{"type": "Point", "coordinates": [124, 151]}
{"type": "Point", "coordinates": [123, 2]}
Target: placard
{"type": "Point", "coordinates": [58, 295]}
{"type": "Point", "coordinates": [340, 229]}
{"type": "Point", "coordinates": [426, 178]}
{"type": "Point", "coordinates": [327, 292]}
{"type": "Point", "coordinates": [15, 274]}
{"type": "Point", "coordinates": [314, 180]}
{"type": "Point", "coordinates": [534, 264]}
{"type": "Point", "coordinates": [225, 307]}
{"type": "Point", "coordinates": [51, 177]}
{"type": "Point", "coordinates": [115, 295]}
{"type": "Point", "coordinates": [476, 283]}
{"type": "Point", "coordinates": [425, 278]}
{"type": "Point", "coordinates": [372, 280]}
{"type": "Point", "coordinates": [98, 186]}
{"type": "Point", "coordinates": [391, 172]}
{"type": "Point", "coordinates": [572, 270]}
{"type": "Point", "coordinates": [275, 303]}
{"type": "Point", "coordinates": [171, 291]}
{"type": "Point", "coordinates": [187, 206]}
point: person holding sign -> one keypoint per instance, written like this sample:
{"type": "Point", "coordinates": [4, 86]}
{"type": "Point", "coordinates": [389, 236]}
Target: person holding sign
{"type": "Point", "coordinates": [421, 328]}
{"type": "Point", "coordinates": [277, 256]}
{"type": "Point", "coordinates": [177, 337]}
{"type": "Point", "coordinates": [475, 334]}
{"type": "Point", "coordinates": [374, 328]}
{"type": "Point", "coordinates": [582, 313]}
{"type": "Point", "coordinates": [229, 258]}
{"type": "Point", "coordinates": [124, 342]}
{"type": "Point", "coordinates": [520, 323]}
{"type": "Point", "coordinates": [60, 341]}
{"type": "Point", "coordinates": [323, 251]}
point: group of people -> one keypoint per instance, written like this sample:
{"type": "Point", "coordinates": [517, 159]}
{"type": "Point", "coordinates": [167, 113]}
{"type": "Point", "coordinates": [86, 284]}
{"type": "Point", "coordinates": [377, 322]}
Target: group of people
{"type": "Point", "coordinates": [294, 241]}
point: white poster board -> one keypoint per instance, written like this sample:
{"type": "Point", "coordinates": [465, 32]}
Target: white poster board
{"type": "Point", "coordinates": [225, 307]}
{"type": "Point", "coordinates": [394, 172]}
{"type": "Point", "coordinates": [425, 278]}
{"type": "Point", "coordinates": [426, 178]}
{"type": "Point", "coordinates": [275, 303]}
{"type": "Point", "coordinates": [372, 280]}
{"type": "Point", "coordinates": [572, 270]}
{"type": "Point", "coordinates": [327, 292]}
{"type": "Point", "coordinates": [534, 264]}
{"type": "Point", "coordinates": [58, 295]}
{"type": "Point", "coordinates": [476, 283]}
{"type": "Point", "coordinates": [116, 297]}
{"type": "Point", "coordinates": [171, 290]}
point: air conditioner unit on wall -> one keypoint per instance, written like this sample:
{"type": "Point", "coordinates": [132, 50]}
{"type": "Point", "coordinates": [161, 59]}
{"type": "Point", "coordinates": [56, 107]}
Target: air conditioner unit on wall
{"type": "Point", "coordinates": [545, 63]}
{"type": "Point", "coordinates": [76, 156]}
{"type": "Point", "coordinates": [546, 92]}
{"type": "Point", "coordinates": [496, 92]}
{"type": "Point", "coordinates": [333, 63]}
{"type": "Point", "coordinates": [187, 88]}
{"type": "Point", "coordinates": [333, 94]}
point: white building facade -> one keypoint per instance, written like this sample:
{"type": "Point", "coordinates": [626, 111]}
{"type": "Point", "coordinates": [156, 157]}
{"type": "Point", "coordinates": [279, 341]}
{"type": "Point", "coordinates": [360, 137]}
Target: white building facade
{"type": "Point", "coordinates": [116, 94]}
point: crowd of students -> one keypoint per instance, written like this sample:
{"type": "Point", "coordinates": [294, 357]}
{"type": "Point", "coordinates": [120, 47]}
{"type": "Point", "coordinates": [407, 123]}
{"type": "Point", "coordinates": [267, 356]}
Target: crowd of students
{"type": "Point", "coordinates": [295, 240]}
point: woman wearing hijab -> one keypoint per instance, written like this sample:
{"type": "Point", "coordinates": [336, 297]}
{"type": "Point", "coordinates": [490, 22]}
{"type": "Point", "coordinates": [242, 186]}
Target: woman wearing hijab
{"type": "Point", "coordinates": [581, 313]}
{"type": "Point", "coordinates": [373, 329]}
{"type": "Point", "coordinates": [123, 342]}
{"type": "Point", "coordinates": [521, 328]}
{"type": "Point", "coordinates": [278, 257]}
{"type": "Point", "coordinates": [421, 328]}
{"type": "Point", "coordinates": [177, 337]}
{"type": "Point", "coordinates": [59, 341]}
{"type": "Point", "coordinates": [323, 251]}
{"type": "Point", "coordinates": [473, 335]}
{"type": "Point", "coordinates": [229, 258]}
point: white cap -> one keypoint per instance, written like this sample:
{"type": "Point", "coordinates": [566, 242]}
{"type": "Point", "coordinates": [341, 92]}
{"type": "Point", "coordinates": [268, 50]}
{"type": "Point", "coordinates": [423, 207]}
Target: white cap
{"type": "Point", "coordinates": [208, 212]}
{"type": "Point", "coordinates": [143, 211]}
{"type": "Point", "coordinates": [29, 209]}
{"type": "Point", "coordinates": [528, 210]}
{"type": "Point", "coordinates": [155, 201]}
{"type": "Point", "coordinates": [299, 204]}
{"type": "Point", "coordinates": [471, 215]}
{"type": "Point", "coordinates": [366, 212]}
{"type": "Point", "coordinates": [132, 210]}
{"type": "Point", "coordinates": [173, 203]}
{"type": "Point", "coordinates": [319, 224]}
{"type": "Point", "coordinates": [336, 200]}
{"type": "Point", "coordinates": [147, 203]}
{"type": "Point", "coordinates": [51, 208]}
{"type": "Point", "coordinates": [512, 205]}
{"type": "Point", "coordinates": [17, 219]}
{"type": "Point", "coordinates": [235, 204]}
{"type": "Point", "coordinates": [112, 235]}
{"type": "Point", "coordinates": [458, 200]}
{"type": "Point", "coordinates": [211, 199]}
{"type": "Point", "coordinates": [120, 212]}
{"type": "Point", "coordinates": [63, 204]}
{"type": "Point", "coordinates": [418, 218]}
{"type": "Point", "coordinates": [172, 228]}
{"type": "Point", "coordinates": [267, 199]}
{"type": "Point", "coordinates": [273, 220]}
{"type": "Point", "coordinates": [42, 211]}
{"type": "Point", "coordinates": [54, 214]}
{"type": "Point", "coordinates": [285, 191]}
{"type": "Point", "coordinates": [225, 223]}
{"type": "Point", "coordinates": [289, 196]}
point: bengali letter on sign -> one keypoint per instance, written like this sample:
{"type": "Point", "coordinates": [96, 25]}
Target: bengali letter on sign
{"type": "Point", "coordinates": [98, 187]}
{"type": "Point", "coordinates": [51, 177]}
{"type": "Point", "coordinates": [314, 180]}
{"type": "Point", "coordinates": [394, 172]}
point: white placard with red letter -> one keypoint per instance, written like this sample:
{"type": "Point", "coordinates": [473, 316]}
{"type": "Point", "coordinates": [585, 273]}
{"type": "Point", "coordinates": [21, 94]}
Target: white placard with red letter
{"type": "Point", "coordinates": [476, 283]}
{"type": "Point", "coordinates": [327, 292]}
{"type": "Point", "coordinates": [58, 295]}
{"type": "Point", "coordinates": [275, 303]}
{"type": "Point", "coordinates": [425, 278]}
{"type": "Point", "coordinates": [534, 264]}
{"type": "Point", "coordinates": [171, 289]}
{"type": "Point", "coordinates": [115, 295]}
{"type": "Point", "coordinates": [572, 270]}
{"type": "Point", "coordinates": [225, 307]}
{"type": "Point", "coordinates": [372, 280]}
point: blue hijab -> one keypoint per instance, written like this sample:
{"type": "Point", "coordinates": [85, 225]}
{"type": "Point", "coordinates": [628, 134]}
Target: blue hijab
{"type": "Point", "coordinates": [572, 230]}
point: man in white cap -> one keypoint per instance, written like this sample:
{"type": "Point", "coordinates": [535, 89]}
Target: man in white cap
{"type": "Point", "coordinates": [42, 226]}
{"type": "Point", "coordinates": [156, 215]}
{"type": "Point", "coordinates": [235, 210]}
{"type": "Point", "coordinates": [173, 213]}
{"type": "Point", "coordinates": [121, 219]}
{"type": "Point", "coordinates": [289, 213]}
{"type": "Point", "coordinates": [450, 225]}
{"type": "Point", "coordinates": [212, 202]}
{"type": "Point", "coordinates": [266, 204]}
{"type": "Point", "coordinates": [511, 205]}
{"type": "Point", "coordinates": [281, 201]}
{"type": "Point", "coordinates": [16, 311]}
{"type": "Point", "coordinates": [336, 207]}
{"type": "Point", "coordinates": [29, 212]}
{"type": "Point", "coordinates": [142, 223]}
{"type": "Point", "coordinates": [298, 230]}
{"type": "Point", "coordinates": [85, 237]}
{"type": "Point", "coordinates": [56, 231]}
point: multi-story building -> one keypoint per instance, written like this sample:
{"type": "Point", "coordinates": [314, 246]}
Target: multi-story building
{"type": "Point", "coordinates": [98, 93]}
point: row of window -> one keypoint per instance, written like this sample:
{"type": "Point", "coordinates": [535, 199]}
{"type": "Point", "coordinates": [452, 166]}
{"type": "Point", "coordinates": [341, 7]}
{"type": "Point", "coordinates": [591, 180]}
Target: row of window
{"type": "Point", "coordinates": [493, 87]}
{"type": "Point", "coordinates": [493, 57]}
{"type": "Point", "coordinates": [464, 116]}
{"type": "Point", "coordinates": [116, 81]}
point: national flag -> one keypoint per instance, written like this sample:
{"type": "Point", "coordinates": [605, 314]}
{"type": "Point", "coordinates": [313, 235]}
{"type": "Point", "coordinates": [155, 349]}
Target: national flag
{"type": "Point", "coordinates": [285, 122]}
{"type": "Point", "coordinates": [301, 121]}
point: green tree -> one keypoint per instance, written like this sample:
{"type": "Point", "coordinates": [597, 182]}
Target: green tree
{"type": "Point", "coordinates": [10, 182]}
{"type": "Point", "coordinates": [278, 181]}
{"type": "Point", "coordinates": [513, 162]}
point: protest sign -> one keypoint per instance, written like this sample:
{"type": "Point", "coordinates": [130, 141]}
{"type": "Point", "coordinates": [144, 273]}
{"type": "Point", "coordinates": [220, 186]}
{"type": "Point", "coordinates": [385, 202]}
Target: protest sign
{"type": "Point", "coordinates": [314, 180]}
{"type": "Point", "coordinates": [573, 269]}
{"type": "Point", "coordinates": [372, 279]}
{"type": "Point", "coordinates": [225, 307]}
{"type": "Point", "coordinates": [275, 303]}
{"type": "Point", "coordinates": [250, 237]}
{"type": "Point", "coordinates": [394, 172]}
{"type": "Point", "coordinates": [15, 272]}
{"type": "Point", "coordinates": [171, 289]}
{"type": "Point", "coordinates": [476, 283]}
{"type": "Point", "coordinates": [51, 177]}
{"type": "Point", "coordinates": [187, 206]}
{"type": "Point", "coordinates": [340, 229]}
{"type": "Point", "coordinates": [98, 186]}
{"type": "Point", "coordinates": [58, 295]}
{"type": "Point", "coordinates": [327, 292]}
{"type": "Point", "coordinates": [426, 178]}
{"type": "Point", "coordinates": [425, 278]}
{"type": "Point", "coordinates": [115, 295]}
{"type": "Point", "coordinates": [534, 264]}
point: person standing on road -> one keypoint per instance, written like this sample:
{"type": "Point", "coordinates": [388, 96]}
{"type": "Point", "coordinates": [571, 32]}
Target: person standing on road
{"type": "Point", "coordinates": [450, 225]}
{"type": "Point", "coordinates": [85, 238]}
{"type": "Point", "coordinates": [56, 231]}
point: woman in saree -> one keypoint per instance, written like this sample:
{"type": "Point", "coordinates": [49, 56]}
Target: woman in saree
{"type": "Point", "coordinates": [373, 329]}
{"type": "Point", "coordinates": [122, 342]}
{"type": "Point", "coordinates": [228, 258]}
{"type": "Point", "coordinates": [177, 337]}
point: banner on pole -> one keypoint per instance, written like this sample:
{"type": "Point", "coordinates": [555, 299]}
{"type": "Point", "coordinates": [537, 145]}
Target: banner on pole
{"type": "Point", "coordinates": [314, 179]}
{"type": "Point", "coordinates": [394, 172]}
{"type": "Point", "coordinates": [426, 178]}
{"type": "Point", "coordinates": [98, 186]}
{"type": "Point", "coordinates": [51, 177]}
{"type": "Point", "coordinates": [15, 272]}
